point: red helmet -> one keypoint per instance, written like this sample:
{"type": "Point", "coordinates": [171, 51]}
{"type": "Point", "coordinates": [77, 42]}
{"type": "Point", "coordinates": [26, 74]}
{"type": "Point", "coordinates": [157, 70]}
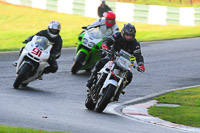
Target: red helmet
{"type": "Point", "coordinates": [110, 18]}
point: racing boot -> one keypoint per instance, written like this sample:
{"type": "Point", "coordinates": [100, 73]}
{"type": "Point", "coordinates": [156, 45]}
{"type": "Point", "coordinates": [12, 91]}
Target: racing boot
{"type": "Point", "coordinates": [46, 71]}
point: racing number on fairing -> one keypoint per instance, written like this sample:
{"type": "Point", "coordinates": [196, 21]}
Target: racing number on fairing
{"type": "Point", "coordinates": [37, 52]}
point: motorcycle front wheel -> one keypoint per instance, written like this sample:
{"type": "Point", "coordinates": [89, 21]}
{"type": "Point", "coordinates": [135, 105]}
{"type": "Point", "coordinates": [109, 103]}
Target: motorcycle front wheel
{"type": "Point", "coordinates": [23, 71]}
{"type": "Point", "coordinates": [105, 98]}
{"type": "Point", "coordinates": [77, 63]}
{"type": "Point", "coordinates": [89, 104]}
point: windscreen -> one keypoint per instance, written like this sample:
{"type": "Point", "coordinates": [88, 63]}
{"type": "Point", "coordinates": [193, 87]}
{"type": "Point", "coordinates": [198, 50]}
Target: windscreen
{"type": "Point", "coordinates": [41, 42]}
{"type": "Point", "coordinates": [125, 54]}
{"type": "Point", "coordinates": [95, 33]}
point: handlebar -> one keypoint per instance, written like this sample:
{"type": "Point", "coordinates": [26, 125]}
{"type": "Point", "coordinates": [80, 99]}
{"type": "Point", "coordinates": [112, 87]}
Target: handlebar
{"type": "Point", "coordinates": [109, 52]}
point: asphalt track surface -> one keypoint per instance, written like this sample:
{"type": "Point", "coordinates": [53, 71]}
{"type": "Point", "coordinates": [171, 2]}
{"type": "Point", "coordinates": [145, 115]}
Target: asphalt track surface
{"type": "Point", "coordinates": [56, 103]}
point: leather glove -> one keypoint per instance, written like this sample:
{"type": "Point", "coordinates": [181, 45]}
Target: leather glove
{"type": "Point", "coordinates": [25, 42]}
{"type": "Point", "coordinates": [104, 49]}
{"type": "Point", "coordinates": [132, 58]}
{"type": "Point", "coordinates": [141, 68]}
{"type": "Point", "coordinates": [84, 27]}
{"type": "Point", "coordinates": [103, 46]}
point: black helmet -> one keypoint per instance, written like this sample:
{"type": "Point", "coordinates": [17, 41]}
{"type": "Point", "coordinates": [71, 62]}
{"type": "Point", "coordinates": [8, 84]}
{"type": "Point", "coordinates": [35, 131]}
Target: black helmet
{"type": "Point", "coordinates": [128, 32]}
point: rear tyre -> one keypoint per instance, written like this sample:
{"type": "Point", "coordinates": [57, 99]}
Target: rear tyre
{"type": "Point", "coordinates": [77, 63]}
{"type": "Point", "coordinates": [21, 76]}
{"type": "Point", "coordinates": [105, 98]}
{"type": "Point", "coordinates": [89, 103]}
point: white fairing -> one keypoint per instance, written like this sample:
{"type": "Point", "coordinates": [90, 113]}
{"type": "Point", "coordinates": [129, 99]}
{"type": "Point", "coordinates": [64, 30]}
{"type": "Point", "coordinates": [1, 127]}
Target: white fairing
{"type": "Point", "coordinates": [37, 50]}
{"type": "Point", "coordinates": [108, 81]}
{"type": "Point", "coordinates": [122, 61]}
{"type": "Point", "coordinates": [92, 36]}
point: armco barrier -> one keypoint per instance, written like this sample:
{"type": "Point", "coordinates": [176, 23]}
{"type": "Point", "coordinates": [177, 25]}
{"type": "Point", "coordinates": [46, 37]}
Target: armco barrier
{"type": "Point", "coordinates": [126, 12]}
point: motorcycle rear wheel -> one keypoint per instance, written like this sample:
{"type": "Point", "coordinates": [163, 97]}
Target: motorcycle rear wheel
{"type": "Point", "coordinates": [77, 63]}
{"type": "Point", "coordinates": [105, 98]}
{"type": "Point", "coordinates": [24, 70]}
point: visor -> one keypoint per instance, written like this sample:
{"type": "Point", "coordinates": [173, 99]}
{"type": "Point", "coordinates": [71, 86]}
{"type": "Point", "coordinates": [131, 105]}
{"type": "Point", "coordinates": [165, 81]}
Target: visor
{"type": "Point", "coordinates": [128, 37]}
{"type": "Point", "coordinates": [110, 21]}
{"type": "Point", "coordinates": [54, 31]}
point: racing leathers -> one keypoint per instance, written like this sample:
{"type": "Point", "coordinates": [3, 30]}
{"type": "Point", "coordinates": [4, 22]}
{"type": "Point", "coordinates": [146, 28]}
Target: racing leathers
{"type": "Point", "coordinates": [106, 31]}
{"type": "Point", "coordinates": [54, 53]}
{"type": "Point", "coordinates": [118, 42]}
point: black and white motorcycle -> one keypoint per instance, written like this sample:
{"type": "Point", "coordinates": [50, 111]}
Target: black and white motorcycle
{"type": "Point", "coordinates": [32, 60]}
{"type": "Point", "coordinates": [110, 82]}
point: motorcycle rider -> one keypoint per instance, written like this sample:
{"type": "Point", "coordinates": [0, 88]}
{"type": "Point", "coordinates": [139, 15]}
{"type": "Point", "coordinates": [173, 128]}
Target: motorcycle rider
{"type": "Point", "coordinates": [121, 40]}
{"type": "Point", "coordinates": [107, 25]}
{"type": "Point", "coordinates": [52, 34]}
{"type": "Point", "coordinates": [103, 8]}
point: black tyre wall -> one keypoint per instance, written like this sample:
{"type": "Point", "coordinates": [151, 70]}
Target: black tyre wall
{"type": "Point", "coordinates": [105, 99]}
{"type": "Point", "coordinates": [22, 75]}
{"type": "Point", "coordinates": [77, 63]}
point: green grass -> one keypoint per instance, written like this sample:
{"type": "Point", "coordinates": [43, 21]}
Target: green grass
{"type": "Point", "coordinates": [8, 129]}
{"type": "Point", "coordinates": [175, 3]}
{"type": "Point", "coordinates": [188, 111]}
{"type": "Point", "coordinates": [19, 22]}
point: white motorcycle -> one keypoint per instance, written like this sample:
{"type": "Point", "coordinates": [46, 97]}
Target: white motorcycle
{"type": "Point", "coordinates": [32, 60]}
{"type": "Point", "coordinates": [110, 82]}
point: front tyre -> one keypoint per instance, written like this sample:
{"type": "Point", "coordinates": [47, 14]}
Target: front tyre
{"type": "Point", "coordinates": [25, 85]}
{"type": "Point", "coordinates": [21, 76]}
{"type": "Point", "coordinates": [105, 98]}
{"type": "Point", "coordinates": [77, 63]}
{"type": "Point", "coordinates": [89, 104]}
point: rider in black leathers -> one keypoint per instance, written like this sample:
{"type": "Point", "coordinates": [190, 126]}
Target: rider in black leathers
{"type": "Point", "coordinates": [52, 34]}
{"type": "Point", "coordinates": [121, 40]}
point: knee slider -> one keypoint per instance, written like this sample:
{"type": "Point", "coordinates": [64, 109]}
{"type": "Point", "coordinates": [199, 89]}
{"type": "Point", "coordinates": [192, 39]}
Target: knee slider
{"type": "Point", "coordinates": [54, 68]}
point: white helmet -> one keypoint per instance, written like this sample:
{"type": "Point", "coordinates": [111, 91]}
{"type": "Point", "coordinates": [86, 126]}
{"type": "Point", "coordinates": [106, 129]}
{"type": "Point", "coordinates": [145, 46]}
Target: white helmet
{"type": "Point", "coordinates": [54, 29]}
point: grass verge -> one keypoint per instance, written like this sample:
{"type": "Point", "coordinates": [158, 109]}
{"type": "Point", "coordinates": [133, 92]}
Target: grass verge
{"type": "Point", "coordinates": [8, 129]}
{"type": "Point", "coordinates": [188, 111]}
{"type": "Point", "coordinates": [19, 22]}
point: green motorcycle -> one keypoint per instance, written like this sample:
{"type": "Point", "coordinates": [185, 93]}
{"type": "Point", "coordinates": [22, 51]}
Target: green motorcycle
{"type": "Point", "coordinates": [88, 51]}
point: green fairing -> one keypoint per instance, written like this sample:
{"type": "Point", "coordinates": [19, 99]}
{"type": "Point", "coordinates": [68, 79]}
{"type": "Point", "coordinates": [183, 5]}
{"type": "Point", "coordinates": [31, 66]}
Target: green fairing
{"type": "Point", "coordinates": [92, 55]}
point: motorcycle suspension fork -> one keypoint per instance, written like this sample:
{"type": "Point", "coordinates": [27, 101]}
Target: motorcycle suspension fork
{"type": "Point", "coordinates": [120, 88]}
{"type": "Point", "coordinates": [98, 86]}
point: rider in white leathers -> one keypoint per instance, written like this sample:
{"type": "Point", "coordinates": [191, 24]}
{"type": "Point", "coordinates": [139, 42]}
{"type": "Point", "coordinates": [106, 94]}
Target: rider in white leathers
{"type": "Point", "coordinates": [107, 25]}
